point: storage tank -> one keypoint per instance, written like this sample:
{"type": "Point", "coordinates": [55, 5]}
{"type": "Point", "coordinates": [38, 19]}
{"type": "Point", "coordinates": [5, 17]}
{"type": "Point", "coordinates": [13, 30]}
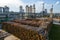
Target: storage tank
{"type": "Point", "coordinates": [30, 8]}
{"type": "Point", "coordinates": [27, 8]}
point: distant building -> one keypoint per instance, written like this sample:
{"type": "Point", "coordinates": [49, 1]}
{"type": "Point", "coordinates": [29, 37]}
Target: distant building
{"type": "Point", "coordinates": [45, 10]}
{"type": "Point", "coordinates": [10, 15]}
{"type": "Point", "coordinates": [27, 9]}
{"type": "Point", "coordinates": [43, 13]}
{"type": "Point", "coordinates": [21, 9]}
{"type": "Point", "coordinates": [34, 9]}
{"type": "Point", "coordinates": [1, 9]}
{"type": "Point", "coordinates": [30, 9]}
{"type": "Point", "coordinates": [51, 12]}
{"type": "Point", "coordinates": [6, 9]}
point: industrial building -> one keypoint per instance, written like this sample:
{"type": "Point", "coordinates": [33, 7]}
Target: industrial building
{"type": "Point", "coordinates": [51, 10]}
{"type": "Point", "coordinates": [21, 9]}
{"type": "Point", "coordinates": [1, 9]}
{"type": "Point", "coordinates": [30, 11]}
{"type": "Point", "coordinates": [29, 29]}
{"type": "Point", "coordinates": [27, 25]}
{"type": "Point", "coordinates": [4, 9]}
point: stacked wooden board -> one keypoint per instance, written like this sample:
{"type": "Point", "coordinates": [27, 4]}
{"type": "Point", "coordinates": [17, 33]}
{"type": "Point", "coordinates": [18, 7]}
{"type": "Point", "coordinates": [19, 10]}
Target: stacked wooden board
{"type": "Point", "coordinates": [32, 22]}
{"type": "Point", "coordinates": [25, 29]}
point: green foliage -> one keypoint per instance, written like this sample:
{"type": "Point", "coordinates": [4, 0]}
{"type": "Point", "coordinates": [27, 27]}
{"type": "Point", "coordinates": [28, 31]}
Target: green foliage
{"type": "Point", "coordinates": [55, 32]}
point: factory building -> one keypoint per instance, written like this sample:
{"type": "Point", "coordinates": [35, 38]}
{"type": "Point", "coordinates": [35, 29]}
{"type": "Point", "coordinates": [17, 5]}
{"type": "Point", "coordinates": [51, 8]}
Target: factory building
{"type": "Point", "coordinates": [21, 12]}
{"type": "Point", "coordinates": [43, 13]}
{"type": "Point", "coordinates": [27, 11]}
{"type": "Point", "coordinates": [34, 8]}
{"type": "Point", "coordinates": [6, 9]}
{"type": "Point", "coordinates": [1, 9]}
{"type": "Point", "coordinates": [9, 16]}
{"type": "Point", "coordinates": [21, 9]}
{"type": "Point", "coordinates": [30, 9]}
{"type": "Point", "coordinates": [51, 12]}
{"type": "Point", "coordinates": [45, 10]}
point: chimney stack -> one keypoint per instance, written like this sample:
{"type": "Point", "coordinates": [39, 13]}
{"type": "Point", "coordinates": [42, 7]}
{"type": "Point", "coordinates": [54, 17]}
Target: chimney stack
{"type": "Point", "coordinates": [30, 8]}
{"type": "Point", "coordinates": [51, 12]}
{"type": "Point", "coordinates": [34, 8]}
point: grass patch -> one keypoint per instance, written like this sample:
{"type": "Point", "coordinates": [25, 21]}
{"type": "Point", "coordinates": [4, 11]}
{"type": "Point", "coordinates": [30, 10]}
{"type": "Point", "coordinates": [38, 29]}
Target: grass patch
{"type": "Point", "coordinates": [55, 32]}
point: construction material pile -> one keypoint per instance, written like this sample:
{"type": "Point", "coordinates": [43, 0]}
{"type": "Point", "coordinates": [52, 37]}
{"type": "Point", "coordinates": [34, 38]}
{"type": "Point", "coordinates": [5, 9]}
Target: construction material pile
{"type": "Point", "coordinates": [26, 29]}
{"type": "Point", "coordinates": [33, 22]}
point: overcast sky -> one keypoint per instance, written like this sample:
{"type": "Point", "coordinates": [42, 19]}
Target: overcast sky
{"type": "Point", "coordinates": [14, 4]}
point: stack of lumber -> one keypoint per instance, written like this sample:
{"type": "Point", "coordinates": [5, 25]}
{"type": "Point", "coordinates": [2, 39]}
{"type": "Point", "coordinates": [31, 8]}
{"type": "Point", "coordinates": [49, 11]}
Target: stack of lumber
{"type": "Point", "coordinates": [28, 29]}
{"type": "Point", "coordinates": [24, 32]}
{"type": "Point", "coordinates": [32, 22]}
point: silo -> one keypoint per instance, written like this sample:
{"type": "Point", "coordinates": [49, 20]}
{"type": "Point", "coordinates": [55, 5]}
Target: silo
{"type": "Point", "coordinates": [51, 12]}
{"type": "Point", "coordinates": [30, 8]}
{"type": "Point", "coordinates": [34, 8]}
{"type": "Point", "coordinates": [27, 11]}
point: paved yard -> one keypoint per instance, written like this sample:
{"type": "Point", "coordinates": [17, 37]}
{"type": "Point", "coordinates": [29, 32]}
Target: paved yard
{"type": "Point", "coordinates": [7, 36]}
{"type": "Point", "coordinates": [11, 37]}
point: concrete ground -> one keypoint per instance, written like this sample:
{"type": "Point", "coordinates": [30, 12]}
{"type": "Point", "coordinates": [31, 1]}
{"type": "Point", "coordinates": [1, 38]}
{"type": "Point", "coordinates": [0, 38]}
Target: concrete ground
{"type": "Point", "coordinates": [7, 36]}
{"type": "Point", "coordinates": [11, 37]}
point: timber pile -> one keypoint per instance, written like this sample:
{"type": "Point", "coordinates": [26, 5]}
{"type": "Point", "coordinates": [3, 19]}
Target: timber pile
{"type": "Point", "coordinates": [27, 22]}
{"type": "Point", "coordinates": [23, 32]}
{"type": "Point", "coordinates": [32, 22]}
{"type": "Point", "coordinates": [28, 29]}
